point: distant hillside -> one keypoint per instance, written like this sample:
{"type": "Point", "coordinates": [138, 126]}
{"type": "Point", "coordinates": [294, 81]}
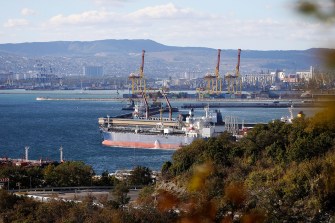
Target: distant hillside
{"type": "Point", "coordinates": [119, 51]}
{"type": "Point", "coordinates": [79, 48]}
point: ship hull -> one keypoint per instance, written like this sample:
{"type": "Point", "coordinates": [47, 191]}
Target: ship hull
{"type": "Point", "coordinates": [145, 141]}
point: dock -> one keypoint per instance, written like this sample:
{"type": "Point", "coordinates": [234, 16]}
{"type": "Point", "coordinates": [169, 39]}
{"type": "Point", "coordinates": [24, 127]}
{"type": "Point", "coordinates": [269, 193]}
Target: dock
{"type": "Point", "coordinates": [214, 103]}
{"type": "Point", "coordinates": [78, 99]}
{"type": "Point", "coordinates": [275, 104]}
{"type": "Point", "coordinates": [25, 162]}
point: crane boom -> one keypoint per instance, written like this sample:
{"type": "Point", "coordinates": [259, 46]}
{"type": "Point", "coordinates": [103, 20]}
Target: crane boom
{"type": "Point", "coordinates": [238, 63]}
{"type": "Point", "coordinates": [138, 84]}
{"type": "Point", "coordinates": [142, 65]}
{"type": "Point", "coordinates": [218, 64]}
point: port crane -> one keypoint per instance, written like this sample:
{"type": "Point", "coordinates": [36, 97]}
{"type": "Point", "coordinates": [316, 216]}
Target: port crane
{"type": "Point", "coordinates": [213, 81]}
{"type": "Point", "coordinates": [138, 84]}
{"type": "Point", "coordinates": [234, 81]}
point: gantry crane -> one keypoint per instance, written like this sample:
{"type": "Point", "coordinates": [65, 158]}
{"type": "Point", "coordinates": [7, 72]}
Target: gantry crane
{"type": "Point", "coordinates": [138, 85]}
{"type": "Point", "coordinates": [234, 81]}
{"type": "Point", "coordinates": [213, 81]}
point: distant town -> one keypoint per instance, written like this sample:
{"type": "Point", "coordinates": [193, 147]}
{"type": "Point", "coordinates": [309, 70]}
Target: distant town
{"type": "Point", "coordinates": [165, 68]}
{"type": "Point", "coordinates": [42, 77]}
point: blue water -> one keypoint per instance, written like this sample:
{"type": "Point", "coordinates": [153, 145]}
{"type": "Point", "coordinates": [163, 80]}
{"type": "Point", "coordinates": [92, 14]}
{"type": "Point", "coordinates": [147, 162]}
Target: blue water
{"type": "Point", "coordinates": [44, 126]}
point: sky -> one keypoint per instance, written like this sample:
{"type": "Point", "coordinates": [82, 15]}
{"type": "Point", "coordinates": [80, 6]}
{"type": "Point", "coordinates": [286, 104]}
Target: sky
{"type": "Point", "coordinates": [219, 24]}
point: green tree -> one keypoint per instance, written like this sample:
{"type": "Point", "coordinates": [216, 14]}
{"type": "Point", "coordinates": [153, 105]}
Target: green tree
{"type": "Point", "coordinates": [49, 174]}
{"type": "Point", "coordinates": [53, 211]}
{"type": "Point", "coordinates": [140, 176]}
{"type": "Point", "coordinates": [120, 195]}
{"type": "Point", "coordinates": [34, 177]}
{"type": "Point", "coordinates": [218, 149]}
{"type": "Point", "coordinates": [25, 210]}
{"type": "Point", "coordinates": [7, 201]}
{"type": "Point", "coordinates": [184, 158]}
{"type": "Point", "coordinates": [165, 171]}
{"type": "Point", "coordinates": [106, 179]}
{"type": "Point", "coordinates": [69, 174]}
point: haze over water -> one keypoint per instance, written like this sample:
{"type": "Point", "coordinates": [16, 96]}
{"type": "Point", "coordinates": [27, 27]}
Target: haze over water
{"type": "Point", "coordinates": [44, 126]}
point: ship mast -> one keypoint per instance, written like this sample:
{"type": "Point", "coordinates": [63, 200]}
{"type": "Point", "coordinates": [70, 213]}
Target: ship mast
{"type": "Point", "coordinates": [27, 151]}
{"type": "Point", "coordinates": [61, 154]}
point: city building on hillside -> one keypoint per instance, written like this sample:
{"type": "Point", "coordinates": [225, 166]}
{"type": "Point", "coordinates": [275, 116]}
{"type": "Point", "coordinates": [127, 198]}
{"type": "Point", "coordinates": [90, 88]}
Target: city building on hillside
{"type": "Point", "coordinates": [281, 75]}
{"type": "Point", "coordinates": [95, 71]}
{"type": "Point", "coordinates": [291, 78]}
{"type": "Point", "coordinates": [306, 75]}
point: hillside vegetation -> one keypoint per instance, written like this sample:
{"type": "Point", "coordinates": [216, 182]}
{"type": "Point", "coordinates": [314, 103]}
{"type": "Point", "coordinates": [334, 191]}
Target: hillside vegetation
{"type": "Point", "coordinates": [277, 173]}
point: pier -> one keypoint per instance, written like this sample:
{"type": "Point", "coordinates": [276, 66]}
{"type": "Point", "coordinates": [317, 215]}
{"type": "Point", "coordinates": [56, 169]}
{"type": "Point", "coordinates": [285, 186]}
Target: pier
{"type": "Point", "coordinates": [24, 162]}
{"type": "Point", "coordinates": [254, 104]}
{"type": "Point", "coordinates": [78, 99]}
{"type": "Point", "coordinates": [29, 162]}
{"type": "Point", "coordinates": [213, 102]}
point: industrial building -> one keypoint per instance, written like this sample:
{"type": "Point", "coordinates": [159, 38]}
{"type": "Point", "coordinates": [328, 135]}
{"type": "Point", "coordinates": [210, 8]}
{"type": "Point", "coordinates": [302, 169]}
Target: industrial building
{"type": "Point", "coordinates": [94, 71]}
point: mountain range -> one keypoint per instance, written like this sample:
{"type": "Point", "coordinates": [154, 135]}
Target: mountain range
{"type": "Point", "coordinates": [251, 60]}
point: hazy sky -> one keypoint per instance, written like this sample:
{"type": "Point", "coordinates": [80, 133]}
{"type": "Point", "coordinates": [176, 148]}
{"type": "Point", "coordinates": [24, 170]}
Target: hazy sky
{"type": "Point", "coordinates": [225, 24]}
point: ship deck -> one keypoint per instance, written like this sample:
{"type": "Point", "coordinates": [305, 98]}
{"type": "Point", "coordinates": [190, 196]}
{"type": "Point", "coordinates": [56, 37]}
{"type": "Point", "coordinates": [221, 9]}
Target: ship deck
{"type": "Point", "coordinates": [138, 122]}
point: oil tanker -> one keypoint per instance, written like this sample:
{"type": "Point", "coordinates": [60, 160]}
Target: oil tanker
{"type": "Point", "coordinates": [142, 131]}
